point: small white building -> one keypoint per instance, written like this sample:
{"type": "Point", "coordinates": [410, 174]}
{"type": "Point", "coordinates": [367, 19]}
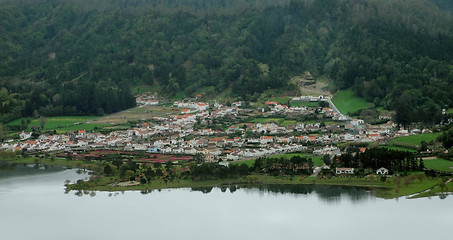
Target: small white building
{"type": "Point", "coordinates": [344, 171]}
{"type": "Point", "coordinates": [382, 171]}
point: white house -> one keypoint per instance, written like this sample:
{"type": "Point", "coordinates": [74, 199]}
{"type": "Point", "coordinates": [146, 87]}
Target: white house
{"type": "Point", "coordinates": [344, 170]}
{"type": "Point", "coordinates": [382, 171]}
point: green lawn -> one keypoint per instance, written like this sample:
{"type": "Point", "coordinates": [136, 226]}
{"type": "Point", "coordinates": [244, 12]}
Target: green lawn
{"type": "Point", "coordinates": [247, 162]}
{"type": "Point", "coordinates": [317, 160]}
{"type": "Point", "coordinates": [306, 104]}
{"type": "Point", "coordinates": [288, 123]}
{"type": "Point", "coordinates": [347, 102]}
{"type": "Point", "coordinates": [450, 111]}
{"type": "Point", "coordinates": [58, 123]}
{"type": "Point", "coordinates": [268, 120]}
{"type": "Point", "coordinates": [414, 140]}
{"type": "Point", "coordinates": [281, 100]}
{"type": "Point", "coordinates": [179, 96]}
{"type": "Point", "coordinates": [439, 164]}
{"type": "Point", "coordinates": [84, 126]}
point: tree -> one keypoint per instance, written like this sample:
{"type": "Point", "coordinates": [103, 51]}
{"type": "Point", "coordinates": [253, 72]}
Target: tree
{"type": "Point", "coordinates": [42, 122]}
{"type": "Point", "coordinates": [326, 159]}
{"type": "Point", "coordinates": [1, 132]}
{"type": "Point", "coordinates": [423, 146]}
{"type": "Point", "coordinates": [108, 170]}
{"type": "Point", "coordinates": [447, 138]}
{"type": "Point", "coordinates": [421, 165]}
{"type": "Point", "coordinates": [442, 185]}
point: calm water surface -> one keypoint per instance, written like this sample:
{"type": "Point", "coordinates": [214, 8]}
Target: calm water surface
{"type": "Point", "coordinates": [37, 207]}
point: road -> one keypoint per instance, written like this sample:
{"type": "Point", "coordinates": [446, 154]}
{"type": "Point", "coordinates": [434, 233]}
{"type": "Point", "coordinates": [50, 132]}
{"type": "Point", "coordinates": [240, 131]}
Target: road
{"type": "Point", "coordinates": [331, 105]}
{"type": "Point", "coordinates": [316, 171]}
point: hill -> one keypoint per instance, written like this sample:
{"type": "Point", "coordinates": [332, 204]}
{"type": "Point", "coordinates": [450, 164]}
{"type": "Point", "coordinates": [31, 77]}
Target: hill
{"type": "Point", "coordinates": [61, 57]}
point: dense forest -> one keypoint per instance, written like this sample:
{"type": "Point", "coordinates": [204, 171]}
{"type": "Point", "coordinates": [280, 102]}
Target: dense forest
{"type": "Point", "coordinates": [73, 57]}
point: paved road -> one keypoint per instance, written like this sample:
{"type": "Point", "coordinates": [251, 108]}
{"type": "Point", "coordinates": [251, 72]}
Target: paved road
{"type": "Point", "coordinates": [316, 171]}
{"type": "Point", "coordinates": [331, 105]}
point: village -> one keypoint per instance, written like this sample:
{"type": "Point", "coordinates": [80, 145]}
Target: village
{"type": "Point", "coordinates": [196, 131]}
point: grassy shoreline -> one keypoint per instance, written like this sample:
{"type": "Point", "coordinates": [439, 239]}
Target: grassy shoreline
{"type": "Point", "coordinates": [387, 190]}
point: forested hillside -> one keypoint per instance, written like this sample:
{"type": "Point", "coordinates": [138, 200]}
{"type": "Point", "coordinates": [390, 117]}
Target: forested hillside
{"type": "Point", "coordinates": [69, 57]}
{"type": "Point", "coordinates": [446, 5]}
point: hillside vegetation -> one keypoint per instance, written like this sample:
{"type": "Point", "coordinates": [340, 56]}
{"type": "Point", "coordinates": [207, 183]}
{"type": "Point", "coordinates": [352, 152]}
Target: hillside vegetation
{"type": "Point", "coordinates": [61, 57]}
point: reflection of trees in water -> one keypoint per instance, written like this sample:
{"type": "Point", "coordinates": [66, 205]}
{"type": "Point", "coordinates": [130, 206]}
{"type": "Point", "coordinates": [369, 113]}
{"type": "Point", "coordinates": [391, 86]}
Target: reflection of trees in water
{"type": "Point", "coordinates": [16, 170]}
{"type": "Point", "coordinates": [81, 193]}
{"type": "Point", "coordinates": [283, 189]}
{"type": "Point", "coordinates": [326, 193]}
{"type": "Point", "coordinates": [335, 193]}
{"type": "Point", "coordinates": [206, 190]}
{"type": "Point", "coordinates": [202, 189]}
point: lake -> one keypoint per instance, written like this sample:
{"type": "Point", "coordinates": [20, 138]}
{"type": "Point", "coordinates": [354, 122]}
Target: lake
{"type": "Point", "coordinates": [36, 207]}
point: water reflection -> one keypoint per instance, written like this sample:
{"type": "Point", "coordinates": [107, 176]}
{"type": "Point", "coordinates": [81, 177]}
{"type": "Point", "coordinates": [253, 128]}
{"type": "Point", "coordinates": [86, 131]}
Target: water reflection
{"type": "Point", "coordinates": [8, 170]}
{"type": "Point", "coordinates": [330, 194]}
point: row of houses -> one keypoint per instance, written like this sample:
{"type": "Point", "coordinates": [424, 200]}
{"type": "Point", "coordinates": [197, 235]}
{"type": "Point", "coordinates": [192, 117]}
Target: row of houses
{"type": "Point", "coordinates": [166, 135]}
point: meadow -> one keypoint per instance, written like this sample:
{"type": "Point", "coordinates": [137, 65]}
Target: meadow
{"type": "Point", "coordinates": [347, 102]}
{"type": "Point", "coordinates": [281, 100]}
{"type": "Point", "coordinates": [64, 123]}
{"type": "Point", "coordinates": [413, 141]}
{"type": "Point", "coordinates": [268, 120]}
{"type": "Point", "coordinates": [305, 104]}
{"type": "Point", "coordinates": [439, 164]}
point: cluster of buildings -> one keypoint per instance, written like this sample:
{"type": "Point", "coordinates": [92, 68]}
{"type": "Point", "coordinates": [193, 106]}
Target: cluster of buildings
{"type": "Point", "coordinates": [189, 133]}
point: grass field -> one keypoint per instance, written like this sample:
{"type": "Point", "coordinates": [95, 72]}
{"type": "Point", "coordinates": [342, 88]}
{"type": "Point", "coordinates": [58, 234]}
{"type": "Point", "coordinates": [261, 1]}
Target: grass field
{"type": "Point", "coordinates": [247, 162]}
{"type": "Point", "coordinates": [281, 100]}
{"type": "Point", "coordinates": [387, 190]}
{"type": "Point", "coordinates": [450, 111]}
{"type": "Point", "coordinates": [136, 114]}
{"type": "Point", "coordinates": [347, 102]}
{"type": "Point", "coordinates": [414, 140]}
{"type": "Point", "coordinates": [288, 123]}
{"type": "Point", "coordinates": [306, 104]}
{"type": "Point", "coordinates": [60, 123]}
{"type": "Point", "coordinates": [268, 120]}
{"type": "Point", "coordinates": [439, 164]}
{"type": "Point", "coordinates": [317, 160]}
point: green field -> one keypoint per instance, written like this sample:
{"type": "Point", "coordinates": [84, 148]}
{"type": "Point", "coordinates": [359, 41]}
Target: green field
{"type": "Point", "coordinates": [414, 141]}
{"type": "Point", "coordinates": [450, 111]}
{"type": "Point", "coordinates": [284, 122]}
{"type": "Point", "coordinates": [268, 120]}
{"type": "Point", "coordinates": [347, 102]}
{"type": "Point", "coordinates": [317, 160]}
{"type": "Point", "coordinates": [439, 164]}
{"type": "Point", "coordinates": [306, 104]}
{"type": "Point", "coordinates": [288, 123]}
{"type": "Point", "coordinates": [281, 100]}
{"type": "Point", "coordinates": [60, 123]}
{"type": "Point", "coordinates": [247, 162]}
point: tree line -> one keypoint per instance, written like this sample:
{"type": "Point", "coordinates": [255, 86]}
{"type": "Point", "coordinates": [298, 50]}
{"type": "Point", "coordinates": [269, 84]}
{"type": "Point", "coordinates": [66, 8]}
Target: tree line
{"type": "Point", "coordinates": [374, 158]}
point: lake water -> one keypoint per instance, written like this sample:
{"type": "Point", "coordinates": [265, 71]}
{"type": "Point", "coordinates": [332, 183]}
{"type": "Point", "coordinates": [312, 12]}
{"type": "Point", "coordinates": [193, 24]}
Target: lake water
{"type": "Point", "coordinates": [37, 207]}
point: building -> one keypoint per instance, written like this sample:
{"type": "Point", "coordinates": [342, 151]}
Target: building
{"type": "Point", "coordinates": [382, 171]}
{"type": "Point", "coordinates": [344, 170]}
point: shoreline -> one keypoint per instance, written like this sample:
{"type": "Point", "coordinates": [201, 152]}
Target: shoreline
{"type": "Point", "coordinates": [386, 190]}
{"type": "Point", "coordinates": [379, 189]}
